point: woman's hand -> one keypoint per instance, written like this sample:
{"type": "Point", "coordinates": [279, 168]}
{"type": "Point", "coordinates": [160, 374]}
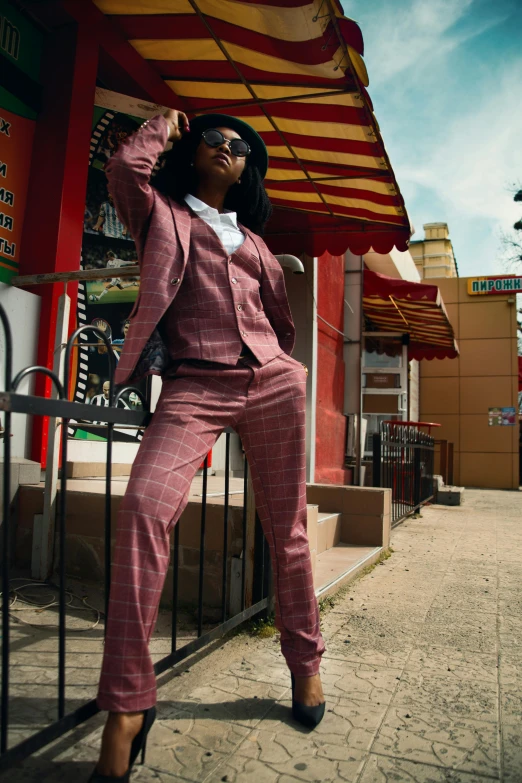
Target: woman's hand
{"type": "Point", "coordinates": [178, 124]}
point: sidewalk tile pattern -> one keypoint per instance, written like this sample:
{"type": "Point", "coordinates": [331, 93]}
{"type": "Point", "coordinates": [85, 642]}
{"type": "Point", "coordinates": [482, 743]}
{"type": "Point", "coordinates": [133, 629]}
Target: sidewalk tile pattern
{"type": "Point", "coordinates": [422, 675]}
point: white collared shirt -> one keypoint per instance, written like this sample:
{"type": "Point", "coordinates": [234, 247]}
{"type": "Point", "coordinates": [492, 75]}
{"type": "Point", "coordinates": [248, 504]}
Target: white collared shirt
{"type": "Point", "coordinates": [223, 223]}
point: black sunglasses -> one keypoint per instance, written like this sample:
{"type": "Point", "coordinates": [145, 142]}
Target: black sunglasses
{"type": "Point", "coordinates": [214, 138]}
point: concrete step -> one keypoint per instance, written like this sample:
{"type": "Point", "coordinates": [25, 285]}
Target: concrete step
{"type": "Point", "coordinates": [24, 472]}
{"type": "Point", "coordinates": [341, 564]}
{"type": "Point", "coordinates": [450, 496]}
{"type": "Point", "coordinates": [328, 530]}
{"type": "Point", "coordinates": [94, 470]}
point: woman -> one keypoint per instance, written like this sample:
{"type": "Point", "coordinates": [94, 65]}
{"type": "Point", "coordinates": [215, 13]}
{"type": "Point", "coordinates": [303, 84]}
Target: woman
{"type": "Point", "coordinates": [212, 318]}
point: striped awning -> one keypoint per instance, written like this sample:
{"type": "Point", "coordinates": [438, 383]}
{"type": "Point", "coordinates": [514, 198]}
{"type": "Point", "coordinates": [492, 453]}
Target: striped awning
{"type": "Point", "coordinates": [416, 309]}
{"type": "Point", "coordinates": [294, 71]}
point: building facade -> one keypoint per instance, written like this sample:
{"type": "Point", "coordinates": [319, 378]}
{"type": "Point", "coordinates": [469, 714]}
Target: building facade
{"type": "Point", "coordinates": [433, 255]}
{"type": "Point", "coordinates": [464, 394]}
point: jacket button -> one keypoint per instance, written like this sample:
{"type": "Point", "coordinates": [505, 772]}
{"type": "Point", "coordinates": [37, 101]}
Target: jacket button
{"type": "Point", "coordinates": [175, 281]}
{"type": "Point", "coordinates": [244, 334]}
{"type": "Point", "coordinates": [240, 307]}
{"type": "Point", "coordinates": [234, 280]}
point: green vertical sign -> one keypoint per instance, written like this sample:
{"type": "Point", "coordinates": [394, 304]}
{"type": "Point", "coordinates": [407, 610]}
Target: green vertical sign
{"type": "Point", "coordinates": [21, 44]}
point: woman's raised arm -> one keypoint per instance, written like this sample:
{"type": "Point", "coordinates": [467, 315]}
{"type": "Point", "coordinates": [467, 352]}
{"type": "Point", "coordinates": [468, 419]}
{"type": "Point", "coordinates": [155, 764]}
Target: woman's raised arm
{"type": "Point", "coordinates": [129, 169]}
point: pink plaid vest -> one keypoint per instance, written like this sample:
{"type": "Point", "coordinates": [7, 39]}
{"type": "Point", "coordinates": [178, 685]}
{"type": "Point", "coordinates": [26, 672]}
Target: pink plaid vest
{"type": "Point", "coordinates": [218, 306]}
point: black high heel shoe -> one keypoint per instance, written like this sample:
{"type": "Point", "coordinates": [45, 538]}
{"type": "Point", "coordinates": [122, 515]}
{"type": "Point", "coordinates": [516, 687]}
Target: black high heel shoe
{"type": "Point", "coordinates": [302, 713]}
{"type": "Point", "coordinates": [139, 743]}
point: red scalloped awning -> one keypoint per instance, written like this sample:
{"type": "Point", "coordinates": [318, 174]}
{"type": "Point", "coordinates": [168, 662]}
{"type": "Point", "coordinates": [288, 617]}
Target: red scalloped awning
{"type": "Point", "coordinates": [294, 71]}
{"type": "Point", "coordinates": [417, 309]}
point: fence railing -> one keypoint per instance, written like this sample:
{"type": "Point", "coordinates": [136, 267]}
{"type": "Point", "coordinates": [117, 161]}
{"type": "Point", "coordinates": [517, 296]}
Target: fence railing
{"type": "Point", "coordinates": [403, 461]}
{"type": "Point", "coordinates": [255, 570]}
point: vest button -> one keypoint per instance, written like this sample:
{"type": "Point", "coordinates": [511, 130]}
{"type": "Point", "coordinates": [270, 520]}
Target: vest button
{"type": "Point", "coordinates": [234, 280]}
{"type": "Point", "coordinates": [240, 307]}
{"type": "Point", "coordinates": [175, 281]}
{"type": "Point", "coordinates": [244, 334]}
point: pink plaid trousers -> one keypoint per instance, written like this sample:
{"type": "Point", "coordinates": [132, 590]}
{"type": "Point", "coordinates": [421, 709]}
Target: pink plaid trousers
{"type": "Point", "coordinates": [266, 406]}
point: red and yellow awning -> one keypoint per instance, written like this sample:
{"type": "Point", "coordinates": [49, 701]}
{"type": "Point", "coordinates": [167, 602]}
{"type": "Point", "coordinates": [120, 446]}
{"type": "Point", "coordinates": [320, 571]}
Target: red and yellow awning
{"type": "Point", "coordinates": [294, 71]}
{"type": "Point", "coordinates": [417, 309]}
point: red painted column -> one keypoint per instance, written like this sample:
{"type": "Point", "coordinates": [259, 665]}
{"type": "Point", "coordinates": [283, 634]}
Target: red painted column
{"type": "Point", "coordinates": [53, 223]}
{"type": "Point", "coordinates": [330, 419]}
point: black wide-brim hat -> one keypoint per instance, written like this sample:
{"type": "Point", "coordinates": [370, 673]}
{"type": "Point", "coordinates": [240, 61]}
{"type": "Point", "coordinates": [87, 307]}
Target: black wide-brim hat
{"type": "Point", "coordinates": [258, 152]}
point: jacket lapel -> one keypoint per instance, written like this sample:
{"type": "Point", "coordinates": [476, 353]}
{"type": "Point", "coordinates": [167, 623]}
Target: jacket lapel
{"type": "Point", "coordinates": [260, 246]}
{"type": "Point", "coordinates": [182, 223]}
{"type": "Point", "coordinates": [270, 272]}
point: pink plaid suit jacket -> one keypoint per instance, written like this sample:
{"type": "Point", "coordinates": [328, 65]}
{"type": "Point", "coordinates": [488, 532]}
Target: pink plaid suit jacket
{"type": "Point", "coordinates": [160, 228]}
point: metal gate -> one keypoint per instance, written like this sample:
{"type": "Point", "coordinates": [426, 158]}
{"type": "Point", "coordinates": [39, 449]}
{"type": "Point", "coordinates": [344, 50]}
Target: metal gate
{"type": "Point", "coordinates": [255, 585]}
{"type": "Point", "coordinates": [403, 461]}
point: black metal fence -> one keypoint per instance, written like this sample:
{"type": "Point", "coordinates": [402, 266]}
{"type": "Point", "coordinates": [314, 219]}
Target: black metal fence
{"type": "Point", "coordinates": [403, 461]}
{"type": "Point", "coordinates": [254, 551]}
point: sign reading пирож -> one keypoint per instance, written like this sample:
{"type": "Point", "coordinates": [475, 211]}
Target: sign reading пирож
{"type": "Point", "coordinates": [498, 284]}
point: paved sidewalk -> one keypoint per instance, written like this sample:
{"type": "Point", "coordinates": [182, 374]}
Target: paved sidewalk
{"type": "Point", "coordinates": [423, 676]}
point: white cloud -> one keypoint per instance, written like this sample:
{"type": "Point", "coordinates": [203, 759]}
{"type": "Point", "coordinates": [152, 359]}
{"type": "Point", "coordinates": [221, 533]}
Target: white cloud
{"type": "Point", "coordinates": [451, 116]}
{"type": "Point", "coordinates": [412, 33]}
{"type": "Point", "coordinates": [472, 164]}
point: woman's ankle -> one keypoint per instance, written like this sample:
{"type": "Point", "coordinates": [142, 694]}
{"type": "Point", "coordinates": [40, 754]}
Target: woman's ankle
{"type": "Point", "coordinates": [118, 734]}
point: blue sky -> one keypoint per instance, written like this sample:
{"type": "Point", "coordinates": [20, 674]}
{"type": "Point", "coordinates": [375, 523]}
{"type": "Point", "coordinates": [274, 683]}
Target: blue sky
{"type": "Point", "coordinates": [446, 84]}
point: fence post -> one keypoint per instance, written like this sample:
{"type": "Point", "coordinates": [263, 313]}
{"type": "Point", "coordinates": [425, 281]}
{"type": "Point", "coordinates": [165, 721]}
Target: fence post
{"type": "Point", "coordinates": [250, 543]}
{"type": "Point", "coordinates": [44, 524]}
{"type": "Point", "coordinates": [376, 458]}
{"type": "Point", "coordinates": [444, 460]}
{"type": "Point", "coordinates": [417, 483]}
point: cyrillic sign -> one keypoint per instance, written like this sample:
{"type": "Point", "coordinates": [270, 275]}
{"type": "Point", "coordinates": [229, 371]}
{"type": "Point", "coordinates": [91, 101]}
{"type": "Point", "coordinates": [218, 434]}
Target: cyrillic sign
{"type": "Point", "coordinates": [500, 284]}
{"type": "Point", "coordinates": [16, 141]}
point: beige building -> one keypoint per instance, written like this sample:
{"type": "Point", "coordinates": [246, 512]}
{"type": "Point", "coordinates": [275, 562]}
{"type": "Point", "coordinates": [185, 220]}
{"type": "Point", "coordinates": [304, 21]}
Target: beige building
{"type": "Point", "coordinates": [458, 393]}
{"type": "Point", "coordinates": [433, 255]}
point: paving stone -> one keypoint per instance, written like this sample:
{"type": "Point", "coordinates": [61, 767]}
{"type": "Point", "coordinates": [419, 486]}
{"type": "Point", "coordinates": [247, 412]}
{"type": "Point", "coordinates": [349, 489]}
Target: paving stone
{"type": "Point", "coordinates": [35, 771]}
{"type": "Point", "coordinates": [261, 666]}
{"type": "Point", "coordinates": [512, 752]}
{"type": "Point", "coordinates": [385, 650]}
{"type": "Point", "coordinates": [349, 722]}
{"type": "Point", "coordinates": [382, 769]}
{"type": "Point", "coordinates": [146, 774]}
{"type": "Point", "coordinates": [447, 617]}
{"type": "Point", "coordinates": [432, 737]}
{"type": "Point", "coordinates": [237, 769]}
{"type": "Point", "coordinates": [229, 698]}
{"type": "Point", "coordinates": [351, 650]}
{"type": "Point", "coordinates": [509, 624]}
{"type": "Point", "coordinates": [417, 674]}
{"type": "Point", "coordinates": [474, 566]}
{"type": "Point", "coordinates": [192, 746]}
{"type": "Point", "coordinates": [510, 642]}
{"type": "Point", "coordinates": [465, 605]}
{"type": "Point", "coordinates": [359, 680]}
{"type": "Point", "coordinates": [303, 756]}
{"type": "Point", "coordinates": [462, 636]}
{"type": "Point", "coordinates": [453, 697]}
{"type": "Point", "coordinates": [510, 670]}
{"type": "Point", "coordinates": [375, 633]}
{"type": "Point", "coordinates": [454, 664]}
{"type": "Point", "coordinates": [511, 707]}
{"type": "Point", "coordinates": [473, 588]}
